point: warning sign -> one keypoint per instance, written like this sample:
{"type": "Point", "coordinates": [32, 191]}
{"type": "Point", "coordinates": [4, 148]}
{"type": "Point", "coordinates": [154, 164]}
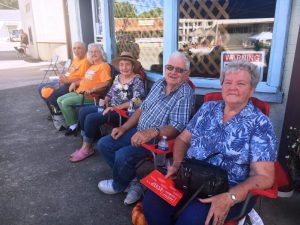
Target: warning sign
{"type": "Point", "coordinates": [255, 57]}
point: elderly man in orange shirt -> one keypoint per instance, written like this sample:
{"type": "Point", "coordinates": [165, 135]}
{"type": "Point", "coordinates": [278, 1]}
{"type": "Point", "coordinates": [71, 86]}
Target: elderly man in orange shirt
{"type": "Point", "coordinates": [76, 72]}
{"type": "Point", "coordinates": [97, 78]}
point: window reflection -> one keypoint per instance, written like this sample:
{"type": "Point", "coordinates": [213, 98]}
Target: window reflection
{"type": "Point", "coordinates": [139, 29]}
{"type": "Point", "coordinates": [206, 28]}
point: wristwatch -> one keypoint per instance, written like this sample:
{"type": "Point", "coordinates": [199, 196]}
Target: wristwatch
{"type": "Point", "coordinates": [157, 131]}
{"type": "Point", "coordinates": [232, 197]}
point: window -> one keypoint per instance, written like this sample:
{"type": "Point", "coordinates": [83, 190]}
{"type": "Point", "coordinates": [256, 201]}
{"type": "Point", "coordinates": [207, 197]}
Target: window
{"type": "Point", "coordinates": [225, 26]}
{"type": "Point", "coordinates": [202, 29]}
{"type": "Point", "coordinates": [98, 21]}
{"type": "Point", "coordinates": [139, 29]}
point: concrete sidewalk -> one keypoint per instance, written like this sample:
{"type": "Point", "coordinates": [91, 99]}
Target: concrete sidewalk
{"type": "Point", "coordinates": [38, 184]}
{"type": "Point", "coordinates": [9, 59]}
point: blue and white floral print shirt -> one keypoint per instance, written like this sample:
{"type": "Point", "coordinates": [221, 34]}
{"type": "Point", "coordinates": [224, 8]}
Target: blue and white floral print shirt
{"type": "Point", "coordinates": [247, 137]}
{"type": "Point", "coordinates": [121, 93]}
{"type": "Point", "coordinates": [174, 109]}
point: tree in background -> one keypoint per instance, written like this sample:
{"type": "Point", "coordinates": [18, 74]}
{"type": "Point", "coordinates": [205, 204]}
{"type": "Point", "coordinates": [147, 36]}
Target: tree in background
{"type": "Point", "coordinates": [9, 4]}
{"type": "Point", "coordinates": [124, 10]}
{"type": "Point", "coordinates": [157, 12]}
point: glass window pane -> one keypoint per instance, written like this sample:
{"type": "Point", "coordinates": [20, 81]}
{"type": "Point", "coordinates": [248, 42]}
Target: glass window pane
{"type": "Point", "coordinates": [208, 27]}
{"type": "Point", "coordinates": [98, 22]}
{"type": "Point", "coordinates": [139, 29]}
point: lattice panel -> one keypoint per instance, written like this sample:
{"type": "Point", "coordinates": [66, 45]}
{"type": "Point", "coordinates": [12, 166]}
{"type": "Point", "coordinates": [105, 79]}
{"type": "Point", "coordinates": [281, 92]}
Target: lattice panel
{"type": "Point", "coordinates": [203, 9]}
{"type": "Point", "coordinates": [213, 36]}
{"type": "Point", "coordinates": [139, 32]}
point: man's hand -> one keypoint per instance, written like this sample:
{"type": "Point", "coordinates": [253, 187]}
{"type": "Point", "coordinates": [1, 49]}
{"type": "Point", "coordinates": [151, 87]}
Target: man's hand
{"type": "Point", "coordinates": [220, 206]}
{"type": "Point", "coordinates": [142, 137]}
{"type": "Point", "coordinates": [117, 132]}
{"type": "Point", "coordinates": [63, 79]}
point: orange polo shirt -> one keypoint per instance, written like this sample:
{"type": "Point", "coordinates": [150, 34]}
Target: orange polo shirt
{"type": "Point", "coordinates": [94, 76]}
{"type": "Point", "coordinates": [78, 68]}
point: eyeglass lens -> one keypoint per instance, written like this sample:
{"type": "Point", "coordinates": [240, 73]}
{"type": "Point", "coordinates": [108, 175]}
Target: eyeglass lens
{"type": "Point", "coordinates": [177, 69]}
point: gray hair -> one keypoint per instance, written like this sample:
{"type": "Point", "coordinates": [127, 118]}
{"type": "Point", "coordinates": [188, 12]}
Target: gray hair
{"type": "Point", "coordinates": [238, 65]}
{"type": "Point", "coordinates": [100, 48]}
{"type": "Point", "coordinates": [182, 56]}
{"type": "Point", "coordinates": [80, 43]}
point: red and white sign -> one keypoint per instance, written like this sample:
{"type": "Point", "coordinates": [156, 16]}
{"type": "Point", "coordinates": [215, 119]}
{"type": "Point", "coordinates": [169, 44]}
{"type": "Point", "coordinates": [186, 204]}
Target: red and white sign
{"type": "Point", "coordinates": [163, 187]}
{"type": "Point", "coordinates": [255, 57]}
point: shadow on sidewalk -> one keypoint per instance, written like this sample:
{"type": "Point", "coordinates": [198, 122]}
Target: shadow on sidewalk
{"type": "Point", "coordinates": [39, 186]}
{"type": "Point", "coordinates": [13, 55]}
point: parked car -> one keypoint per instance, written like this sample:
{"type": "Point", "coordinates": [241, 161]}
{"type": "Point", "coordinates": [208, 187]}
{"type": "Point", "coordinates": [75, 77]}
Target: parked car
{"type": "Point", "coordinates": [14, 35]}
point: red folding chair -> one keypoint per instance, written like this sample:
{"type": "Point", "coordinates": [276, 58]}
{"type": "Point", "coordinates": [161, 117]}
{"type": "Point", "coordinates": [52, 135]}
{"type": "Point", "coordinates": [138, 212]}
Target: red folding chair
{"type": "Point", "coordinates": [281, 177]}
{"type": "Point", "coordinates": [263, 106]}
{"type": "Point", "coordinates": [281, 180]}
{"type": "Point", "coordinates": [152, 147]}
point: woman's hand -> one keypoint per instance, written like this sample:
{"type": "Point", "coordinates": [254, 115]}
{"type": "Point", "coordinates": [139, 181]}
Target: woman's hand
{"type": "Point", "coordinates": [107, 110]}
{"type": "Point", "coordinates": [220, 206]}
{"type": "Point", "coordinates": [117, 132]}
{"type": "Point", "coordinates": [72, 87]}
{"type": "Point", "coordinates": [172, 170]}
{"type": "Point", "coordinates": [88, 92]}
{"type": "Point", "coordinates": [102, 103]}
{"type": "Point", "coordinates": [143, 136]}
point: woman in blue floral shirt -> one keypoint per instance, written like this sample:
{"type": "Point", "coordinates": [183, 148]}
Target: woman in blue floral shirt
{"type": "Point", "coordinates": [245, 140]}
{"type": "Point", "coordinates": [127, 87]}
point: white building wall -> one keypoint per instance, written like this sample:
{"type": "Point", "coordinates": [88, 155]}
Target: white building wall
{"type": "Point", "coordinates": [74, 18]}
{"type": "Point", "coordinates": [46, 19]}
{"type": "Point", "coordinates": [27, 22]}
{"type": "Point", "coordinates": [278, 110]}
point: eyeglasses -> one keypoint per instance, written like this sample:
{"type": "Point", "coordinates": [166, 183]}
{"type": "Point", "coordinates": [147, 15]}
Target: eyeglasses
{"type": "Point", "coordinates": [177, 69]}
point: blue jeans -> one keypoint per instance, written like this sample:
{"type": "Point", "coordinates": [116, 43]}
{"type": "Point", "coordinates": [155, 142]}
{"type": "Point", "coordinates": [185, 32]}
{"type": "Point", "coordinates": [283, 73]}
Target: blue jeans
{"type": "Point", "coordinates": [158, 211]}
{"type": "Point", "coordinates": [52, 100]}
{"type": "Point", "coordinates": [91, 120]}
{"type": "Point", "coordinates": [122, 157]}
{"type": "Point", "coordinates": [49, 84]}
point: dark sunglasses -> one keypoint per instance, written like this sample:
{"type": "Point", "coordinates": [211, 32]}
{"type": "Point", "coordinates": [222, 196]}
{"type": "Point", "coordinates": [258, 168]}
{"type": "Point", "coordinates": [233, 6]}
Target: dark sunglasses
{"type": "Point", "coordinates": [177, 69]}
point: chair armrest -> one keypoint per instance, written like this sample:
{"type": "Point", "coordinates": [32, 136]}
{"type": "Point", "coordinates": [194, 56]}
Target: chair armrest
{"type": "Point", "coordinates": [269, 193]}
{"type": "Point", "coordinates": [152, 147]}
{"type": "Point", "coordinates": [121, 112]}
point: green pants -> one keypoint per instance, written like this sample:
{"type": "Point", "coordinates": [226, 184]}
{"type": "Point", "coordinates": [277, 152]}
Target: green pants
{"type": "Point", "coordinates": [67, 104]}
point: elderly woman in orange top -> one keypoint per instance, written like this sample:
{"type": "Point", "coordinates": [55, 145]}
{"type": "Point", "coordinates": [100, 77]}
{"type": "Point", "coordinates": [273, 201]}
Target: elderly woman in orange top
{"type": "Point", "coordinates": [76, 72]}
{"type": "Point", "coordinates": [97, 78]}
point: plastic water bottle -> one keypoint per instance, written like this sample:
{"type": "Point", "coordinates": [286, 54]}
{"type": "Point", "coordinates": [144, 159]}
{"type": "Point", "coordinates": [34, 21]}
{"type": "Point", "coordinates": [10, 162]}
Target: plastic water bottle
{"type": "Point", "coordinates": [163, 144]}
{"type": "Point", "coordinates": [130, 109]}
{"type": "Point", "coordinates": [100, 108]}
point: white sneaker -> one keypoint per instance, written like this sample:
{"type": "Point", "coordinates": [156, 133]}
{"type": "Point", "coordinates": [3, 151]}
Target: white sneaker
{"type": "Point", "coordinates": [106, 187]}
{"type": "Point", "coordinates": [135, 192]}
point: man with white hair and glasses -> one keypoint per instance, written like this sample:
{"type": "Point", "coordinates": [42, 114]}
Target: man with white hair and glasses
{"type": "Point", "coordinates": [165, 112]}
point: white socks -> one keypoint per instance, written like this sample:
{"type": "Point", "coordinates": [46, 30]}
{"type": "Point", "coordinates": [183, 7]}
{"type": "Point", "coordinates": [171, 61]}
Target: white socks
{"type": "Point", "coordinates": [73, 126]}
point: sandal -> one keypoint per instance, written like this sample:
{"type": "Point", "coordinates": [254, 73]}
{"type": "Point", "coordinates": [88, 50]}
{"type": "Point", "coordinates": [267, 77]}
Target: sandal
{"type": "Point", "coordinates": [80, 155]}
{"type": "Point", "coordinates": [77, 150]}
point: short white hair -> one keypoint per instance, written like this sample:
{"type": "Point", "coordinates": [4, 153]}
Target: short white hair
{"type": "Point", "coordinates": [100, 48]}
{"type": "Point", "coordinates": [182, 56]}
{"type": "Point", "coordinates": [238, 65]}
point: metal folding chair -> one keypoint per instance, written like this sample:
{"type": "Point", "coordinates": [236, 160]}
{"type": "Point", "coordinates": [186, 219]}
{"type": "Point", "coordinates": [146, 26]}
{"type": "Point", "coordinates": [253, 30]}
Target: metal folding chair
{"type": "Point", "coordinates": [66, 66]}
{"type": "Point", "coordinates": [52, 68]}
{"type": "Point", "coordinates": [63, 71]}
